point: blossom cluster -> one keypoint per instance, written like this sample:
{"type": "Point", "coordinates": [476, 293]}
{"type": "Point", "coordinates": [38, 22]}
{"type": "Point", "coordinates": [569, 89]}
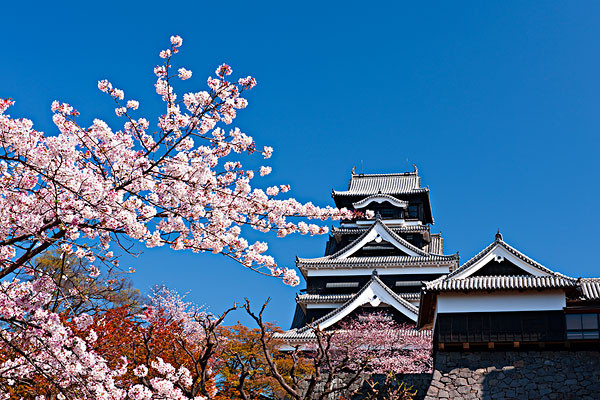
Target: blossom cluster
{"type": "Point", "coordinates": [376, 340]}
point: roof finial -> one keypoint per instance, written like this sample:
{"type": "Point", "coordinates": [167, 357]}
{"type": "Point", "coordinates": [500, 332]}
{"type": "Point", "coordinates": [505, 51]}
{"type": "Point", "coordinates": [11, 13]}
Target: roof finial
{"type": "Point", "coordinates": [498, 235]}
{"type": "Point", "coordinates": [375, 273]}
{"type": "Point", "coordinates": [354, 170]}
{"type": "Point", "coordinates": [416, 169]}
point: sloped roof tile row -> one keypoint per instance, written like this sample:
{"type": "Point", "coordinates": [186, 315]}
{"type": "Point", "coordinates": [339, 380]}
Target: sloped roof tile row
{"type": "Point", "coordinates": [397, 229]}
{"type": "Point", "coordinates": [501, 283]}
{"type": "Point", "coordinates": [590, 288]}
{"type": "Point", "coordinates": [374, 261]}
{"type": "Point", "coordinates": [340, 298]}
{"type": "Point", "coordinates": [368, 184]}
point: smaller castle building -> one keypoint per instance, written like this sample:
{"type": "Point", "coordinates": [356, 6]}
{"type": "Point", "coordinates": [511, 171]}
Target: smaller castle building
{"type": "Point", "coordinates": [503, 299]}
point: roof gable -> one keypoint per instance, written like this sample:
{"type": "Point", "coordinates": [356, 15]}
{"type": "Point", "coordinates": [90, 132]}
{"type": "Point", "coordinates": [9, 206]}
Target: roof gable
{"type": "Point", "coordinates": [379, 233]}
{"type": "Point", "coordinates": [499, 267]}
{"type": "Point", "coordinates": [375, 293]}
{"type": "Point", "coordinates": [500, 252]}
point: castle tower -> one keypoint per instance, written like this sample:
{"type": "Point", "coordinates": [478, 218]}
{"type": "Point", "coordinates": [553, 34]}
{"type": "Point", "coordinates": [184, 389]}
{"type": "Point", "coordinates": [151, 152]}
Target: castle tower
{"type": "Point", "coordinates": [377, 261]}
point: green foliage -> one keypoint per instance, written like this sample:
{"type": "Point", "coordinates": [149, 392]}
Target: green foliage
{"type": "Point", "coordinates": [78, 292]}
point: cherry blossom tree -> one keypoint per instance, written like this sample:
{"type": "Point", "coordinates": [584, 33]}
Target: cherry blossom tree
{"type": "Point", "coordinates": [383, 345]}
{"type": "Point", "coordinates": [181, 184]}
{"type": "Point", "coordinates": [83, 190]}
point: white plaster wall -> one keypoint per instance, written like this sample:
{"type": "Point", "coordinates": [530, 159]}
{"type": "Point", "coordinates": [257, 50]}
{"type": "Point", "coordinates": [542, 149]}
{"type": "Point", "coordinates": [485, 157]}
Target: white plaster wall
{"type": "Point", "coordinates": [504, 301]}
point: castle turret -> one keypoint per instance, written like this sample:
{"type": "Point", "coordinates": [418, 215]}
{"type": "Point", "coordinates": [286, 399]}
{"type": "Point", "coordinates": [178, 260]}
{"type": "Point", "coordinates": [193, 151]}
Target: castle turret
{"type": "Point", "coordinates": [377, 261]}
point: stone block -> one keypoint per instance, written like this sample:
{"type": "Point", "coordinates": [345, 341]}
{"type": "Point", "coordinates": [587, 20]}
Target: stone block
{"type": "Point", "coordinates": [461, 382]}
{"type": "Point", "coordinates": [465, 373]}
{"type": "Point", "coordinates": [464, 389]}
{"type": "Point", "coordinates": [437, 384]}
{"type": "Point", "coordinates": [545, 391]}
{"type": "Point", "coordinates": [433, 391]}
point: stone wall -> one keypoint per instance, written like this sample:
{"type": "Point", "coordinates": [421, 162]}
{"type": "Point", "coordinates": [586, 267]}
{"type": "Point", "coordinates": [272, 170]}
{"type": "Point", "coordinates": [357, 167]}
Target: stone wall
{"type": "Point", "coordinates": [516, 375]}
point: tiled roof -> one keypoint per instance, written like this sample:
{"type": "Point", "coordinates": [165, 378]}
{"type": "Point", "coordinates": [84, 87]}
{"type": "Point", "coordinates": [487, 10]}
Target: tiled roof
{"type": "Point", "coordinates": [375, 261]}
{"type": "Point", "coordinates": [392, 200]}
{"type": "Point", "coordinates": [590, 287]}
{"type": "Point", "coordinates": [368, 184]}
{"type": "Point", "coordinates": [410, 296]}
{"type": "Point", "coordinates": [436, 246]}
{"type": "Point", "coordinates": [341, 298]}
{"type": "Point", "coordinates": [323, 298]}
{"type": "Point", "coordinates": [396, 229]}
{"type": "Point", "coordinates": [293, 335]}
{"type": "Point", "coordinates": [500, 283]}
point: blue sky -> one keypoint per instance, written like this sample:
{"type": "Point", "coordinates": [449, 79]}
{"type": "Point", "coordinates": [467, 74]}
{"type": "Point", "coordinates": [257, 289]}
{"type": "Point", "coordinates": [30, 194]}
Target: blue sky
{"type": "Point", "coordinates": [497, 102]}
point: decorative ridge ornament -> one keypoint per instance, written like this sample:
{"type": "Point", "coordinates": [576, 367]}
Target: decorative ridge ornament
{"type": "Point", "coordinates": [498, 236]}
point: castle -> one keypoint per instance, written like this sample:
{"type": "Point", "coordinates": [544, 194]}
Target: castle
{"type": "Point", "coordinates": [499, 316]}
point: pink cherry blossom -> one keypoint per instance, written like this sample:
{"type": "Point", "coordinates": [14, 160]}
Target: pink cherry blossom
{"type": "Point", "coordinates": [176, 41]}
{"type": "Point", "coordinates": [180, 183]}
{"type": "Point", "coordinates": [184, 73]}
{"type": "Point", "coordinates": [265, 171]}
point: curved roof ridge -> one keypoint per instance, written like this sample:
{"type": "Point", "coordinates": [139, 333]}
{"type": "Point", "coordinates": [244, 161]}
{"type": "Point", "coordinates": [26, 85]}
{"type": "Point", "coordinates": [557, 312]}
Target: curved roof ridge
{"type": "Point", "coordinates": [391, 199]}
{"type": "Point", "coordinates": [528, 259]}
{"type": "Point", "coordinates": [377, 222]}
{"type": "Point", "coordinates": [387, 174]}
{"type": "Point", "coordinates": [402, 240]}
{"type": "Point", "coordinates": [349, 245]}
{"type": "Point", "coordinates": [510, 249]}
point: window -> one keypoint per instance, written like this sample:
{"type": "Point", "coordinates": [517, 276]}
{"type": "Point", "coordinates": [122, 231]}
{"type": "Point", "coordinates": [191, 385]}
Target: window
{"type": "Point", "coordinates": [341, 284]}
{"type": "Point", "coordinates": [413, 211]}
{"type": "Point", "coordinates": [582, 326]}
{"type": "Point", "coordinates": [387, 213]}
{"type": "Point", "coordinates": [409, 283]}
